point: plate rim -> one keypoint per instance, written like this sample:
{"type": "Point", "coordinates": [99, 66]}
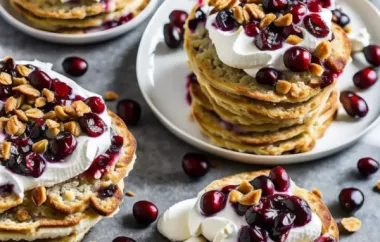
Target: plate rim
{"type": "Point", "coordinates": [221, 152]}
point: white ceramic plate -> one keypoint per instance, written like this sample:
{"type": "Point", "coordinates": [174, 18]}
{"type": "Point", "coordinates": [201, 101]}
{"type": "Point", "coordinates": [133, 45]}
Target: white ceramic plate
{"type": "Point", "coordinates": [161, 74]}
{"type": "Point", "coordinates": [16, 20]}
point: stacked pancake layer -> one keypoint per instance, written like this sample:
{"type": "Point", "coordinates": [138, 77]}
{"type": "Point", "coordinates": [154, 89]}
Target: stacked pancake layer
{"type": "Point", "coordinates": [76, 17]}
{"type": "Point", "coordinates": [238, 113]}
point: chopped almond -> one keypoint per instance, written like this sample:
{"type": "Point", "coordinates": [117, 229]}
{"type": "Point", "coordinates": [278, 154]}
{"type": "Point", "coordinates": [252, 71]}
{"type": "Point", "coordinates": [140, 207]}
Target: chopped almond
{"type": "Point", "coordinates": [245, 187]}
{"type": "Point", "coordinates": [235, 196]}
{"type": "Point", "coordinates": [251, 198]}
{"type": "Point", "coordinates": [351, 224]}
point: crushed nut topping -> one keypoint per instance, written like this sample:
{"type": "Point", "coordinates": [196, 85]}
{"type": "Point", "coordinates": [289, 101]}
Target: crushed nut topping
{"type": "Point", "coordinates": [23, 70]}
{"type": "Point", "coordinates": [27, 90]}
{"type": "Point", "coordinates": [283, 87]}
{"type": "Point", "coordinates": [40, 146]}
{"type": "Point", "coordinates": [251, 198]}
{"type": "Point", "coordinates": [316, 69]}
{"type": "Point", "coordinates": [293, 40]}
{"type": "Point", "coordinates": [235, 196]}
{"type": "Point", "coordinates": [39, 195]}
{"type": "Point", "coordinates": [285, 20]}
{"type": "Point", "coordinates": [111, 96]}
{"type": "Point", "coordinates": [317, 192]}
{"type": "Point", "coordinates": [6, 149]}
{"type": "Point", "coordinates": [267, 20]}
{"type": "Point", "coordinates": [73, 127]}
{"type": "Point", "coordinates": [351, 224]}
{"type": "Point", "coordinates": [245, 187]}
{"type": "Point", "coordinates": [323, 50]}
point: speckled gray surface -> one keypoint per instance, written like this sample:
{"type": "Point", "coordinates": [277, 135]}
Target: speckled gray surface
{"type": "Point", "coordinates": [158, 175]}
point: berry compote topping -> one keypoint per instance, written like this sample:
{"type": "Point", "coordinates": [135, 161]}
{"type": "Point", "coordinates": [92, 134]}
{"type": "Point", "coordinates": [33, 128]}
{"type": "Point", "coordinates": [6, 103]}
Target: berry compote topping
{"type": "Point", "coordinates": [269, 39]}
{"type": "Point", "coordinates": [212, 202]}
{"type": "Point", "coordinates": [314, 6]}
{"type": "Point", "coordinates": [225, 20]}
{"type": "Point", "coordinates": [200, 17]}
{"type": "Point", "coordinates": [62, 90]}
{"type": "Point", "coordinates": [292, 30]}
{"type": "Point", "coordinates": [280, 179]}
{"type": "Point", "coordinates": [249, 234]}
{"type": "Point", "coordinates": [92, 124]}
{"type": "Point", "coordinates": [61, 147]}
{"type": "Point", "coordinates": [372, 54]}
{"type": "Point", "coordinates": [172, 36]}
{"type": "Point", "coordinates": [129, 110]}
{"type": "Point", "coordinates": [268, 76]}
{"type": "Point", "coordinates": [275, 5]}
{"type": "Point", "coordinates": [298, 11]}
{"type": "Point", "coordinates": [354, 105]}
{"type": "Point", "coordinates": [195, 165]}
{"type": "Point", "coordinates": [340, 18]}
{"type": "Point", "coordinates": [145, 212]}
{"type": "Point", "coordinates": [351, 199]}
{"type": "Point", "coordinates": [178, 18]}
{"type": "Point", "coordinates": [265, 184]}
{"type": "Point", "coordinates": [40, 80]}
{"type": "Point", "coordinates": [316, 25]}
{"type": "Point", "coordinates": [252, 29]}
{"type": "Point", "coordinates": [123, 239]}
{"type": "Point", "coordinates": [297, 59]}
{"type": "Point", "coordinates": [368, 166]}
{"type": "Point", "coordinates": [365, 78]}
{"type": "Point", "coordinates": [328, 78]}
{"type": "Point", "coordinates": [107, 192]}
{"type": "Point", "coordinates": [75, 66]}
{"type": "Point", "coordinates": [96, 104]}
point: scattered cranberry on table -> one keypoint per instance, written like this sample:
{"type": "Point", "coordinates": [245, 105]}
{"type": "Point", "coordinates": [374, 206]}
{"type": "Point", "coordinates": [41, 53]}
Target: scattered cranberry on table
{"type": "Point", "coordinates": [372, 54]}
{"type": "Point", "coordinates": [123, 239]}
{"type": "Point", "coordinates": [325, 238]}
{"type": "Point", "coordinates": [145, 212]}
{"type": "Point", "coordinates": [368, 166]}
{"type": "Point", "coordinates": [195, 165]}
{"type": "Point", "coordinates": [174, 30]}
{"type": "Point", "coordinates": [351, 199]}
{"type": "Point", "coordinates": [129, 111]}
{"type": "Point", "coordinates": [365, 78]}
{"type": "Point", "coordinates": [212, 202]}
{"type": "Point", "coordinates": [354, 105]}
{"type": "Point", "coordinates": [75, 66]}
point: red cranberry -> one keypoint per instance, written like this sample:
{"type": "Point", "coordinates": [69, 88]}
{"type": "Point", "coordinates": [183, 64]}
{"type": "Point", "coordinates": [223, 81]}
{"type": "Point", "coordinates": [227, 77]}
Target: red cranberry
{"type": "Point", "coordinates": [227, 189]}
{"type": "Point", "coordinates": [195, 165]}
{"type": "Point", "coordinates": [9, 65]}
{"type": "Point", "coordinates": [251, 29]}
{"type": "Point", "coordinates": [354, 105]}
{"type": "Point", "coordinates": [365, 78]}
{"type": "Point", "coordinates": [61, 147]}
{"type": "Point", "coordinates": [282, 225]}
{"type": "Point", "coordinates": [325, 238]}
{"type": "Point", "coordinates": [8, 188]}
{"type": "Point", "coordinates": [328, 78]}
{"type": "Point", "coordinates": [297, 59]}
{"type": "Point", "coordinates": [62, 90]}
{"type": "Point", "coordinates": [96, 104]}
{"type": "Point", "coordinates": [314, 7]}
{"type": "Point", "coordinates": [368, 166]}
{"type": "Point", "coordinates": [116, 144]}
{"type": "Point", "coordinates": [129, 111]}
{"type": "Point", "coordinates": [268, 40]}
{"type": "Point", "coordinates": [172, 36]}
{"type": "Point", "coordinates": [254, 217]}
{"type": "Point", "coordinates": [372, 54]}
{"type": "Point", "coordinates": [298, 11]}
{"type": "Point", "coordinates": [145, 212]}
{"type": "Point", "coordinates": [107, 192]}
{"type": "Point", "coordinates": [212, 202]}
{"type": "Point", "coordinates": [255, 234]}
{"type": "Point", "coordinates": [178, 18]}
{"type": "Point", "coordinates": [300, 208]}
{"type": "Point", "coordinates": [267, 76]}
{"type": "Point", "coordinates": [225, 20]}
{"type": "Point", "coordinates": [74, 66]}
{"type": "Point", "coordinates": [92, 124]}
{"type": "Point", "coordinates": [265, 184]}
{"type": "Point", "coordinates": [99, 166]}
{"type": "Point", "coordinates": [40, 80]}
{"type": "Point", "coordinates": [123, 239]}
{"type": "Point", "coordinates": [37, 130]}
{"type": "Point", "coordinates": [316, 25]}
{"type": "Point", "coordinates": [5, 92]}
{"type": "Point", "coordinates": [200, 17]}
{"type": "Point", "coordinates": [325, 3]}
{"type": "Point", "coordinates": [292, 30]}
{"type": "Point", "coordinates": [240, 209]}
{"type": "Point", "coordinates": [275, 5]}
{"type": "Point", "coordinates": [35, 165]}
{"type": "Point", "coordinates": [351, 199]}
{"type": "Point", "coordinates": [280, 179]}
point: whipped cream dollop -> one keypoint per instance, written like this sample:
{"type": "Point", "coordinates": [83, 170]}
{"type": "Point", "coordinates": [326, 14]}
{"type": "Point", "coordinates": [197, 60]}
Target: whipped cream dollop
{"type": "Point", "coordinates": [185, 221]}
{"type": "Point", "coordinates": [88, 148]}
{"type": "Point", "coordinates": [359, 40]}
{"type": "Point", "coordinates": [236, 49]}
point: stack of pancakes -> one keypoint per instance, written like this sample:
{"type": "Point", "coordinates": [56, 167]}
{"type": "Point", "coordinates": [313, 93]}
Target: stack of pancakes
{"type": "Point", "coordinates": [238, 113]}
{"type": "Point", "coordinates": [78, 16]}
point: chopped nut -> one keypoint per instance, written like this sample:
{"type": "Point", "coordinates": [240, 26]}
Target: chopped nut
{"type": "Point", "coordinates": [48, 94]}
{"type": "Point", "coordinates": [245, 187]}
{"type": "Point", "coordinates": [73, 127]}
{"type": "Point", "coordinates": [20, 100]}
{"type": "Point", "coordinates": [295, 90]}
{"type": "Point", "coordinates": [27, 90]}
{"type": "Point", "coordinates": [316, 69]}
{"type": "Point", "coordinates": [130, 194]}
{"type": "Point", "coordinates": [14, 126]}
{"type": "Point", "coordinates": [10, 104]}
{"type": "Point", "coordinates": [283, 87]}
{"type": "Point", "coordinates": [40, 102]}
{"type": "Point", "coordinates": [6, 150]}
{"type": "Point", "coordinates": [80, 108]}
{"type": "Point", "coordinates": [69, 195]}
{"type": "Point", "coordinates": [111, 96]}
{"type": "Point", "coordinates": [31, 100]}
{"type": "Point", "coordinates": [5, 78]}
{"type": "Point", "coordinates": [53, 132]}
{"type": "Point", "coordinates": [222, 5]}
{"type": "Point", "coordinates": [25, 107]}
{"type": "Point", "coordinates": [323, 50]}
{"type": "Point", "coordinates": [267, 20]}
{"type": "Point", "coordinates": [40, 146]}
{"type": "Point", "coordinates": [351, 224]}
{"type": "Point", "coordinates": [293, 40]}
{"type": "Point", "coordinates": [39, 195]}
{"type": "Point", "coordinates": [251, 198]}
{"type": "Point", "coordinates": [50, 115]}
{"type": "Point", "coordinates": [348, 29]}
{"type": "Point", "coordinates": [23, 70]}
{"type": "Point", "coordinates": [253, 11]}
{"type": "Point", "coordinates": [34, 113]}
{"type": "Point", "coordinates": [22, 215]}
{"type": "Point", "coordinates": [61, 114]}
{"type": "Point", "coordinates": [3, 122]}
{"type": "Point", "coordinates": [51, 124]}
{"type": "Point", "coordinates": [239, 14]}
{"type": "Point", "coordinates": [285, 20]}
{"type": "Point", "coordinates": [378, 184]}
{"type": "Point", "coordinates": [19, 81]}
{"type": "Point", "coordinates": [69, 110]}
{"type": "Point", "coordinates": [21, 115]}
{"type": "Point", "coordinates": [317, 192]}
{"type": "Point", "coordinates": [235, 196]}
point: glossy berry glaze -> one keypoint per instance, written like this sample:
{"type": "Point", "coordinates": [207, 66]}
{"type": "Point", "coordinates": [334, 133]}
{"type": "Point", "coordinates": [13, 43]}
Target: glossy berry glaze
{"type": "Point", "coordinates": [354, 105]}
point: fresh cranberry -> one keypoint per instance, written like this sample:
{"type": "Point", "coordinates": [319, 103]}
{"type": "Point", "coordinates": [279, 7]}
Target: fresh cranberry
{"type": "Point", "coordinates": [145, 212]}
{"type": "Point", "coordinates": [340, 18]}
{"type": "Point", "coordinates": [92, 124]}
{"type": "Point", "coordinates": [96, 104]}
{"type": "Point", "coordinates": [40, 80]}
{"type": "Point", "coordinates": [354, 105]}
{"type": "Point", "coordinates": [268, 40]}
{"type": "Point", "coordinates": [24, 145]}
{"type": "Point", "coordinates": [123, 239]}
{"type": "Point", "coordinates": [116, 144]}
{"type": "Point", "coordinates": [265, 184]}
{"type": "Point", "coordinates": [298, 11]}
{"type": "Point", "coordinates": [62, 90]}
{"type": "Point", "coordinates": [267, 76]}
{"type": "Point", "coordinates": [32, 165]}
{"type": "Point", "coordinates": [251, 29]}
{"type": "Point", "coordinates": [35, 165]}
{"type": "Point", "coordinates": [314, 7]}
{"type": "Point", "coordinates": [280, 179]}
{"type": "Point", "coordinates": [200, 17]}
{"type": "Point", "coordinates": [328, 78]}
{"type": "Point", "coordinates": [227, 189]}
{"type": "Point", "coordinates": [300, 208]}
{"type": "Point", "coordinates": [195, 165]}
{"type": "Point", "coordinates": [297, 59]}
{"type": "Point", "coordinates": [9, 65]}
{"type": "Point", "coordinates": [255, 234]}
{"type": "Point", "coordinates": [282, 225]}
{"type": "Point", "coordinates": [129, 111]}
{"type": "Point", "coordinates": [274, 5]}
{"type": "Point", "coordinates": [178, 18]}
{"type": "Point", "coordinates": [225, 20]}
{"type": "Point", "coordinates": [172, 36]}
{"type": "Point", "coordinates": [61, 147]}
{"type": "Point", "coordinates": [74, 66]}
{"type": "Point", "coordinates": [107, 192]}
{"type": "Point", "coordinates": [191, 79]}
{"type": "Point", "coordinates": [37, 130]}
{"type": "Point", "coordinates": [316, 25]}
{"type": "Point", "coordinates": [99, 166]}
{"type": "Point", "coordinates": [325, 238]}
{"type": "Point", "coordinates": [372, 54]}
{"type": "Point", "coordinates": [351, 199]}
{"type": "Point", "coordinates": [212, 202]}
{"type": "Point", "coordinates": [5, 92]}
{"type": "Point", "coordinates": [368, 166]}
{"type": "Point", "coordinates": [292, 30]}
{"type": "Point", "coordinates": [254, 217]}
{"type": "Point", "coordinates": [365, 78]}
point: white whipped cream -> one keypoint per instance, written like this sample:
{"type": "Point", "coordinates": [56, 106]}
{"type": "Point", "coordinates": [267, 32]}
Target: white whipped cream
{"type": "Point", "coordinates": [88, 148]}
{"type": "Point", "coordinates": [236, 49]}
{"type": "Point", "coordinates": [184, 222]}
{"type": "Point", "coordinates": [359, 40]}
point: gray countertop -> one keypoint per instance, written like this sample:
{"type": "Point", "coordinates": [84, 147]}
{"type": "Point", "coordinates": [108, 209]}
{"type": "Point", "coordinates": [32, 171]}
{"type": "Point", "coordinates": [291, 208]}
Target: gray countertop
{"type": "Point", "coordinates": [158, 175]}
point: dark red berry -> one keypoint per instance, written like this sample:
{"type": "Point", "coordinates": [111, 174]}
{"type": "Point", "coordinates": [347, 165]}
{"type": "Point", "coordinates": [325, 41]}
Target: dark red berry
{"type": "Point", "coordinates": [5, 92]}
{"type": "Point", "coordinates": [200, 17]}
{"type": "Point", "coordinates": [254, 234]}
{"type": "Point", "coordinates": [314, 7]}
{"type": "Point", "coordinates": [368, 166]}
{"type": "Point", "coordinates": [283, 223]}
{"type": "Point", "coordinates": [263, 183]}
{"type": "Point", "coordinates": [300, 208]}
{"type": "Point", "coordinates": [292, 30]}
{"type": "Point", "coordinates": [178, 18]}
{"type": "Point", "coordinates": [354, 105]}
{"type": "Point", "coordinates": [351, 199]}
{"type": "Point", "coordinates": [297, 59]}
{"type": "Point", "coordinates": [225, 20]}
{"type": "Point", "coordinates": [227, 189]}
{"type": "Point", "coordinates": [62, 90]}
{"type": "Point", "coordinates": [251, 29]}
{"type": "Point", "coordinates": [298, 11]}
{"type": "Point", "coordinates": [365, 78]}
{"type": "Point", "coordinates": [108, 191]}
{"type": "Point", "coordinates": [372, 54]}
{"type": "Point", "coordinates": [275, 5]}
{"type": "Point", "coordinates": [280, 179]}
{"type": "Point", "coordinates": [8, 188]}
{"type": "Point", "coordinates": [116, 144]}
{"type": "Point", "coordinates": [99, 166]}
{"type": "Point", "coordinates": [40, 80]}
{"type": "Point", "coordinates": [212, 202]}
{"type": "Point", "coordinates": [123, 239]}
{"type": "Point", "coordinates": [328, 78]}
{"type": "Point", "coordinates": [316, 25]}
{"type": "Point", "coordinates": [92, 124]}
{"type": "Point", "coordinates": [75, 66]}
{"type": "Point", "coordinates": [61, 147]}
{"type": "Point", "coordinates": [195, 165]}
{"type": "Point", "coordinates": [172, 36]}
{"type": "Point", "coordinates": [96, 104]}
{"type": "Point", "coordinates": [129, 111]}
{"type": "Point", "coordinates": [268, 40]}
{"type": "Point", "coordinates": [267, 76]}
{"type": "Point", "coordinates": [145, 212]}
{"type": "Point", "coordinates": [325, 238]}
